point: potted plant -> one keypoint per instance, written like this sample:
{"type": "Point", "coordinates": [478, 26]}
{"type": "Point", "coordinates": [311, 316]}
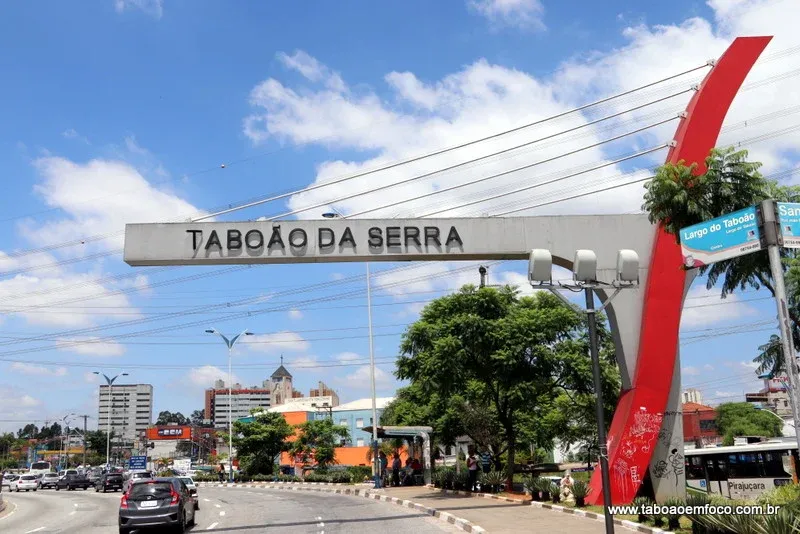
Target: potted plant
{"type": "Point", "coordinates": [492, 481]}
{"type": "Point", "coordinates": [544, 487]}
{"type": "Point", "coordinates": [532, 487]}
{"type": "Point", "coordinates": [640, 503]}
{"type": "Point", "coordinates": [555, 492]}
{"type": "Point", "coordinates": [580, 490]}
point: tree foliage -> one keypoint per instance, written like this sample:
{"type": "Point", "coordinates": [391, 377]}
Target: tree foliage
{"type": "Point", "coordinates": [488, 364]}
{"type": "Point", "coordinates": [318, 439]}
{"type": "Point", "coordinates": [678, 198]}
{"type": "Point", "coordinates": [259, 442]}
{"type": "Point", "coordinates": [167, 417]}
{"type": "Point", "coordinates": [744, 419]}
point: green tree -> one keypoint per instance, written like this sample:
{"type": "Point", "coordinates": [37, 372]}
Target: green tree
{"type": "Point", "coordinates": [498, 363]}
{"type": "Point", "coordinates": [96, 440]}
{"type": "Point", "coordinates": [198, 418]}
{"type": "Point", "coordinates": [29, 431]}
{"type": "Point", "coordinates": [744, 419]}
{"type": "Point", "coordinates": [260, 441]}
{"type": "Point", "coordinates": [678, 198]}
{"type": "Point", "coordinates": [318, 439]}
{"type": "Point", "coordinates": [166, 418]}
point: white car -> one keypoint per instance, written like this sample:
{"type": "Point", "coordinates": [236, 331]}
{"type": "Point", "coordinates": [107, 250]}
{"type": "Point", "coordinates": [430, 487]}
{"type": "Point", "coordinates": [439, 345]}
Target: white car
{"type": "Point", "coordinates": [8, 480]}
{"type": "Point", "coordinates": [25, 482]}
{"type": "Point", "coordinates": [192, 490]}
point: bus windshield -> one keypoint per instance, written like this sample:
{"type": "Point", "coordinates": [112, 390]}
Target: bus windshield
{"type": "Point", "coordinates": [40, 466]}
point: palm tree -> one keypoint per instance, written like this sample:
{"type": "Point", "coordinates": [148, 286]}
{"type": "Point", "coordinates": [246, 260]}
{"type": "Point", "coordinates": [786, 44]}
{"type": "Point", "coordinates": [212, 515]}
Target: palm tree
{"type": "Point", "coordinates": [677, 198]}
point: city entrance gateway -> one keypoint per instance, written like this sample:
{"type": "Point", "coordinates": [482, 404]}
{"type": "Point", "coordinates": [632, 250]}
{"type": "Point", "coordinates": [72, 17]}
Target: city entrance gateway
{"type": "Point", "coordinates": [646, 431]}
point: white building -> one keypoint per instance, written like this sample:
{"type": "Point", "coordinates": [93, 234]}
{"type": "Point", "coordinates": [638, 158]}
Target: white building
{"type": "Point", "coordinates": [131, 409]}
{"type": "Point", "coordinates": [692, 395]}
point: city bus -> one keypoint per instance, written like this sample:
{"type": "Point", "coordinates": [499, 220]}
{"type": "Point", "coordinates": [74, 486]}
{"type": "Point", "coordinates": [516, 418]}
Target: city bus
{"type": "Point", "coordinates": [40, 468]}
{"type": "Point", "coordinates": [741, 471]}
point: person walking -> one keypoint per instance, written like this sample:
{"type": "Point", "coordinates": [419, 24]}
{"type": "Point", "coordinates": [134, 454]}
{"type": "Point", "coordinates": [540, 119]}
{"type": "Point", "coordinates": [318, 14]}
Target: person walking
{"type": "Point", "coordinates": [472, 465]}
{"type": "Point", "coordinates": [486, 460]}
{"type": "Point", "coordinates": [396, 466]}
{"type": "Point", "coordinates": [384, 461]}
{"type": "Point", "coordinates": [221, 472]}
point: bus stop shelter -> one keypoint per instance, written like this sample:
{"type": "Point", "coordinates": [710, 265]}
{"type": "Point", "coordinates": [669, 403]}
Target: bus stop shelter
{"type": "Point", "coordinates": [410, 433]}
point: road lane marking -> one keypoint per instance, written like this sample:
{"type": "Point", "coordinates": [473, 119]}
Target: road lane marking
{"type": "Point", "coordinates": [211, 526]}
{"type": "Point", "coordinates": [73, 512]}
{"type": "Point", "coordinates": [207, 500]}
{"type": "Point", "coordinates": [222, 513]}
{"type": "Point", "coordinates": [35, 530]}
{"type": "Point", "coordinates": [218, 505]}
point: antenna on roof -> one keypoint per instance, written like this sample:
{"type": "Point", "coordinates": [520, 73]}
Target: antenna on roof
{"type": "Point", "coordinates": [281, 359]}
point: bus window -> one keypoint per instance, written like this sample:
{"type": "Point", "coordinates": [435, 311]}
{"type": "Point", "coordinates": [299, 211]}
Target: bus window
{"type": "Point", "coordinates": [773, 465]}
{"type": "Point", "coordinates": [694, 468]}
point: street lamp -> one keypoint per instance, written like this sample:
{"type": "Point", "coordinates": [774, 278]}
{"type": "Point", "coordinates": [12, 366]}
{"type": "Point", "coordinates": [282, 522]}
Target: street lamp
{"type": "Point", "coordinates": [110, 382]}
{"type": "Point", "coordinates": [230, 342]}
{"type": "Point", "coordinates": [65, 431]}
{"type": "Point", "coordinates": [584, 271]}
{"type": "Point", "coordinates": [376, 470]}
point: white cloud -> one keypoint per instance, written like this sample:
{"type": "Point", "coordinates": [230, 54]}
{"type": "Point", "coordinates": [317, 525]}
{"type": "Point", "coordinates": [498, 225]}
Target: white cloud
{"type": "Point", "coordinates": [277, 342]}
{"type": "Point", "coordinates": [312, 69]}
{"type": "Point", "coordinates": [708, 367]}
{"type": "Point", "coordinates": [71, 133]}
{"type": "Point", "coordinates": [98, 197]}
{"type": "Point", "coordinates": [15, 403]}
{"type": "Point", "coordinates": [90, 378]}
{"type": "Point", "coordinates": [205, 376]}
{"type": "Point", "coordinates": [749, 365]}
{"type": "Point", "coordinates": [690, 371]}
{"type": "Point", "coordinates": [91, 346]}
{"type": "Point", "coordinates": [153, 8]}
{"type": "Point", "coordinates": [359, 380]}
{"type": "Point", "coordinates": [524, 14]}
{"type": "Point", "coordinates": [703, 307]}
{"type": "Point", "coordinates": [348, 356]}
{"type": "Point", "coordinates": [295, 314]}
{"type": "Point", "coordinates": [337, 276]}
{"type": "Point", "coordinates": [420, 116]}
{"type": "Point", "coordinates": [37, 370]}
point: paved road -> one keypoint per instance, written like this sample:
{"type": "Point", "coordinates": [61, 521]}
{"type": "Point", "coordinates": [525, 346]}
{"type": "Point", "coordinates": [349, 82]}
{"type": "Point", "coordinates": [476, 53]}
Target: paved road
{"type": "Point", "coordinates": [235, 510]}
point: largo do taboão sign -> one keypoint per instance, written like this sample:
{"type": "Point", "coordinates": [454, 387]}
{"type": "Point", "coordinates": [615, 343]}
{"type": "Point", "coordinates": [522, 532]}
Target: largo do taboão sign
{"type": "Point", "coordinates": [341, 240]}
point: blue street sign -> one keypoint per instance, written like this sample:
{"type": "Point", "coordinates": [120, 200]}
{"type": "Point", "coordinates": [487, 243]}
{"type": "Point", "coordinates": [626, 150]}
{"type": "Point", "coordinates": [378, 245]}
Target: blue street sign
{"type": "Point", "coordinates": [729, 236]}
{"type": "Point", "coordinates": [137, 462]}
{"type": "Point", "coordinates": [789, 220]}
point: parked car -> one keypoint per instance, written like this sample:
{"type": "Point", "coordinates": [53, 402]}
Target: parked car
{"type": "Point", "coordinates": [189, 481]}
{"type": "Point", "coordinates": [49, 480]}
{"type": "Point", "coordinates": [72, 482]}
{"type": "Point", "coordinates": [25, 482]}
{"type": "Point", "coordinates": [109, 481]}
{"type": "Point", "coordinates": [156, 502]}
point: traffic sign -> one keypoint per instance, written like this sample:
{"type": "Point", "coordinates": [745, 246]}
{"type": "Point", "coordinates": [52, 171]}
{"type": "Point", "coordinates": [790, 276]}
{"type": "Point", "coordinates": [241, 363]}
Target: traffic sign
{"type": "Point", "coordinates": [789, 222]}
{"type": "Point", "coordinates": [137, 462]}
{"type": "Point", "coordinates": [729, 236]}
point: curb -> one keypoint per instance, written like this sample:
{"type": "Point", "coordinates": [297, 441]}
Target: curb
{"type": "Point", "coordinates": [458, 522]}
{"type": "Point", "coordinates": [630, 525]}
{"type": "Point", "coordinates": [272, 484]}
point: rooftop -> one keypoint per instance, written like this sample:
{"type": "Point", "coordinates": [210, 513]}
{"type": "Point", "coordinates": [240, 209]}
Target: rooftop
{"type": "Point", "coordinates": [282, 372]}
{"type": "Point", "coordinates": [364, 404]}
{"type": "Point", "coordinates": [689, 407]}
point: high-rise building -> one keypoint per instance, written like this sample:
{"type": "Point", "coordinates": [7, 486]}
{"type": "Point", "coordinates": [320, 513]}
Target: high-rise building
{"type": "Point", "coordinates": [244, 401]}
{"type": "Point", "coordinates": [131, 410]}
{"type": "Point", "coordinates": [692, 395]}
{"type": "Point", "coordinates": [281, 386]}
{"type": "Point", "coordinates": [325, 391]}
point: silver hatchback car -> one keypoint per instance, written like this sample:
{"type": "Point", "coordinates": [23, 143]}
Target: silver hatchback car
{"type": "Point", "coordinates": [156, 502]}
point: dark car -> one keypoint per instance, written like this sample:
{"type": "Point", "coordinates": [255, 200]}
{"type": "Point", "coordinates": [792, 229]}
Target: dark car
{"type": "Point", "coordinates": [158, 502]}
{"type": "Point", "coordinates": [71, 482]}
{"type": "Point", "coordinates": [109, 481]}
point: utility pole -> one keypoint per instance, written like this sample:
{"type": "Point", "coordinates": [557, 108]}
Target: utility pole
{"type": "Point", "coordinates": [773, 240]}
{"type": "Point", "coordinates": [85, 417]}
{"type": "Point", "coordinates": [482, 271]}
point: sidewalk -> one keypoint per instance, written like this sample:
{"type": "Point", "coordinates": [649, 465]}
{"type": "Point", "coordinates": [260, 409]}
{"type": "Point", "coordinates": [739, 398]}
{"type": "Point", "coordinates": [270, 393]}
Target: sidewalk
{"type": "Point", "coordinates": [497, 516]}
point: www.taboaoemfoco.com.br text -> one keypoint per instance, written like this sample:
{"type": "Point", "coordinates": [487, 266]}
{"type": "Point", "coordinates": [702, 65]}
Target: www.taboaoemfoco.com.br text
{"type": "Point", "coordinates": [706, 509]}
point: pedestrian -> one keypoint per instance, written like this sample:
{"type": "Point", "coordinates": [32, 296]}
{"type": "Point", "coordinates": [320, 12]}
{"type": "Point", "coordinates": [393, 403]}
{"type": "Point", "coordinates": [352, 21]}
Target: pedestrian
{"type": "Point", "coordinates": [396, 466]}
{"type": "Point", "coordinates": [384, 461]}
{"type": "Point", "coordinates": [486, 460]}
{"type": "Point", "coordinates": [221, 472]}
{"type": "Point", "coordinates": [472, 465]}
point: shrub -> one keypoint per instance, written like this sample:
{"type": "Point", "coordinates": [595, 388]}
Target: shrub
{"type": "Point", "coordinates": [317, 477]}
{"type": "Point", "coordinates": [673, 520]}
{"type": "Point", "coordinates": [786, 496]}
{"type": "Point", "coordinates": [641, 502]}
{"type": "Point", "coordinates": [340, 477]}
{"type": "Point", "coordinates": [360, 473]}
{"type": "Point", "coordinates": [205, 478]}
{"type": "Point", "coordinates": [580, 490]}
{"type": "Point", "coordinates": [555, 492]}
{"type": "Point", "coordinates": [697, 500]}
{"type": "Point", "coordinates": [493, 480]}
{"type": "Point", "coordinates": [531, 485]}
{"type": "Point", "coordinates": [288, 478]}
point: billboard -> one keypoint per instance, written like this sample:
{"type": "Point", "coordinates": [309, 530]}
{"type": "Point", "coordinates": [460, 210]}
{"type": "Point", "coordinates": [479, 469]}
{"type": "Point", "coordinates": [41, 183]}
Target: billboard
{"type": "Point", "coordinates": [789, 221]}
{"type": "Point", "coordinates": [169, 432]}
{"type": "Point", "coordinates": [729, 236]}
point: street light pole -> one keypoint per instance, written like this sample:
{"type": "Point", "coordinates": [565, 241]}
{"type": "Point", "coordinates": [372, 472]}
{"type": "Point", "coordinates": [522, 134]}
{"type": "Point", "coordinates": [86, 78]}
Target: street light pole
{"type": "Point", "coordinates": [110, 382]}
{"type": "Point", "coordinates": [376, 470]}
{"type": "Point", "coordinates": [230, 343]}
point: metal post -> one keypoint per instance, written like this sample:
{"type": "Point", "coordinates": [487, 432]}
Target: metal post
{"type": "Point", "coordinates": [601, 423]}
{"type": "Point", "coordinates": [230, 414]}
{"type": "Point", "coordinates": [84, 440]}
{"type": "Point", "coordinates": [770, 231]}
{"type": "Point", "coordinates": [108, 427]}
{"type": "Point", "coordinates": [376, 470]}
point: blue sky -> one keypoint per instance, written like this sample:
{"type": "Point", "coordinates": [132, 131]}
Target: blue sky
{"type": "Point", "coordinates": [120, 111]}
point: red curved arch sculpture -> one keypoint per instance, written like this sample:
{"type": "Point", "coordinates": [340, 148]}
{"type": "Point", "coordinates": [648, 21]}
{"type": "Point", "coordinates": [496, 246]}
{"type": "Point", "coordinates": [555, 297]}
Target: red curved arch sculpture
{"type": "Point", "coordinates": [638, 416]}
